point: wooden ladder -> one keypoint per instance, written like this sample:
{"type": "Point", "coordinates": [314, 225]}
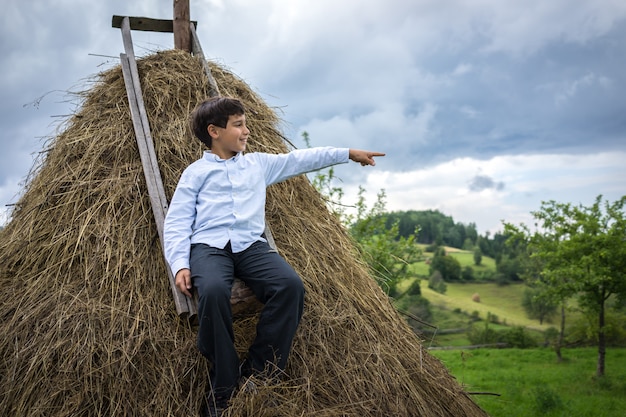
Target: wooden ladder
{"type": "Point", "coordinates": [240, 293]}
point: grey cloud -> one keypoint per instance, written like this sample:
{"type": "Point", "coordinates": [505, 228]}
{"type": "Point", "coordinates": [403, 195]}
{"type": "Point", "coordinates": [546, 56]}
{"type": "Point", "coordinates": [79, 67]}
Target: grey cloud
{"type": "Point", "coordinates": [380, 71]}
{"type": "Point", "coordinates": [484, 182]}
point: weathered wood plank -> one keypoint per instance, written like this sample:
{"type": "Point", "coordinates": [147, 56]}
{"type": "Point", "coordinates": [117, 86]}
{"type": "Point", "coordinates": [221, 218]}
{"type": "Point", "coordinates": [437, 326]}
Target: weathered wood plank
{"type": "Point", "coordinates": [151, 167]}
{"type": "Point", "coordinates": [147, 24]}
{"type": "Point", "coordinates": [179, 299]}
{"type": "Point", "coordinates": [196, 50]}
{"type": "Point", "coordinates": [147, 154]}
{"type": "Point", "coordinates": [182, 36]}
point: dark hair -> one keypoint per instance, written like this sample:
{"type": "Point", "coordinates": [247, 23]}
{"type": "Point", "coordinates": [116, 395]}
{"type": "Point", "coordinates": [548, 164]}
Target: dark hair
{"type": "Point", "coordinates": [213, 111]}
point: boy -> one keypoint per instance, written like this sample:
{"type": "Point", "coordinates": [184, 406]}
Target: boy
{"type": "Point", "coordinates": [214, 232]}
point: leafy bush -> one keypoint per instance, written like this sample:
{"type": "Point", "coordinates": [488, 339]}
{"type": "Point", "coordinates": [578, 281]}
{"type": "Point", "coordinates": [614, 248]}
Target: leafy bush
{"type": "Point", "coordinates": [437, 283]}
{"type": "Point", "coordinates": [414, 288]}
{"type": "Point", "coordinates": [584, 330]}
{"type": "Point", "coordinates": [478, 256]}
{"type": "Point", "coordinates": [550, 336]}
{"type": "Point", "coordinates": [482, 336]}
{"type": "Point", "coordinates": [485, 275]}
{"type": "Point", "coordinates": [420, 308]}
{"type": "Point", "coordinates": [386, 252]}
{"type": "Point", "coordinates": [431, 248]}
{"type": "Point", "coordinates": [538, 307]}
{"type": "Point", "coordinates": [467, 274]}
{"type": "Point", "coordinates": [448, 266]}
{"type": "Point", "coordinates": [518, 337]}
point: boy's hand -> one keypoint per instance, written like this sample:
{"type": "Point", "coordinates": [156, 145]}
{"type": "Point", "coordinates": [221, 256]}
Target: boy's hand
{"type": "Point", "coordinates": [364, 157]}
{"type": "Point", "coordinates": [183, 281]}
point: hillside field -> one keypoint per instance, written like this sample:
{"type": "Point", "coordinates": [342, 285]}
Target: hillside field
{"type": "Point", "coordinates": [530, 382]}
{"type": "Point", "coordinates": [503, 301]}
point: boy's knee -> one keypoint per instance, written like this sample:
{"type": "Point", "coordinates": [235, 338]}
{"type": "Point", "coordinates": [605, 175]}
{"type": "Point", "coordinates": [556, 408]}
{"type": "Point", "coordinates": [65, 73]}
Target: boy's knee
{"type": "Point", "coordinates": [214, 292]}
{"type": "Point", "coordinates": [294, 286]}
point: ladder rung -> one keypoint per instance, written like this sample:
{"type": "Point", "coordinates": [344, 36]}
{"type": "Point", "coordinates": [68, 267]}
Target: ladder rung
{"type": "Point", "coordinates": [147, 24]}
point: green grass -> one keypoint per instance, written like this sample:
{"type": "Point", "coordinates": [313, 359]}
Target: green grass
{"type": "Point", "coordinates": [419, 269]}
{"type": "Point", "coordinates": [531, 382]}
{"type": "Point", "coordinates": [466, 258]}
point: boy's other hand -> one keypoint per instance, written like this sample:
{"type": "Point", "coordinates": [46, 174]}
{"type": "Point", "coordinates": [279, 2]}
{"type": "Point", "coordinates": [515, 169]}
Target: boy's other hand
{"type": "Point", "coordinates": [183, 281]}
{"type": "Point", "coordinates": [364, 157]}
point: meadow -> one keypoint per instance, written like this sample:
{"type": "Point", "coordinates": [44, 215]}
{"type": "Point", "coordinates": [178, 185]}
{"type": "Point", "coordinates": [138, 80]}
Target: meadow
{"type": "Point", "coordinates": [530, 382]}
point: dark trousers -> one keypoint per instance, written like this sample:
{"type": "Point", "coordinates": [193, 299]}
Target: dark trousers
{"type": "Point", "coordinates": [273, 281]}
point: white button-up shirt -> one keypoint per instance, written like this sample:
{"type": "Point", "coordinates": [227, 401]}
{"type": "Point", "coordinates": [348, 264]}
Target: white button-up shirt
{"type": "Point", "coordinates": [218, 200]}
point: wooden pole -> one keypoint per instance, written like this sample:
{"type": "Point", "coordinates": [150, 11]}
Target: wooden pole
{"type": "Point", "coordinates": [149, 161]}
{"type": "Point", "coordinates": [182, 37]}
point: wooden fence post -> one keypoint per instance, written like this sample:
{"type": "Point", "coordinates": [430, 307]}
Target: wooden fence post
{"type": "Point", "coordinates": [182, 38]}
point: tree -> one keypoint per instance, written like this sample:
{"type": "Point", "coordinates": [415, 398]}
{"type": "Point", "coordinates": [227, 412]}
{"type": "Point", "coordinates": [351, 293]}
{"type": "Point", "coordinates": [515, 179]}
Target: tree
{"type": "Point", "coordinates": [467, 274]}
{"type": "Point", "coordinates": [582, 252]}
{"type": "Point", "coordinates": [478, 256]}
{"type": "Point", "coordinates": [448, 266]}
{"type": "Point", "coordinates": [508, 269]}
{"type": "Point", "coordinates": [537, 307]}
{"type": "Point", "coordinates": [387, 253]}
{"type": "Point", "coordinates": [436, 283]}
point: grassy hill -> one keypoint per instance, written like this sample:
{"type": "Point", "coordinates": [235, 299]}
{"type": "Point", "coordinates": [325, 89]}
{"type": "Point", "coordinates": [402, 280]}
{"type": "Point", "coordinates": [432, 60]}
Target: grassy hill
{"type": "Point", "coordinates": [503, 301]}
{"type": "Point", "coordinates": [456, 308]}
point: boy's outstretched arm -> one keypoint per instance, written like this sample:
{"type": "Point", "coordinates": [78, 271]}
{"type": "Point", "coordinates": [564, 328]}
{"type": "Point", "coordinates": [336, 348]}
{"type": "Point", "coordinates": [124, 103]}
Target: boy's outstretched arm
{"type": "Point", "coordinates": [364, 157]}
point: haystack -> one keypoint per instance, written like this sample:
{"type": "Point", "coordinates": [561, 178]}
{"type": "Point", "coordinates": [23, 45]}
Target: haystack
{"type": "Point", "coordinates": [88, 323]}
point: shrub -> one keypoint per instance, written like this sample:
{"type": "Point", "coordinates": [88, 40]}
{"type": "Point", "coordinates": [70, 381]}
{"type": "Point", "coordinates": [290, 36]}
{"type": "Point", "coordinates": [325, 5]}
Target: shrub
{"type": "Point", "coordinates": [431, 248]}
{"type": "Point", "coordinates": [584, 329]}
{"type": "Point", "coordinates": [478, 256]}
{"type": "Point", "coordinates": [467, 274]}
{"type": "Point", "coordinates": [414, 288]}
{"type": "Point", "coordinates": [448, 266]}
{"type": "Point", "coordinates": [485, 275]}
{"type": "Point", "coordinates": [493, 318]}
{"type": "Point", "coordinates": [436, 283]}
{"type": "Point", "coordinates": [518, 337]}
{"type": "Point", "coordinates": [420, 308]}
{"type": "Point", "coordinates": [550, 336]}
{"type": "Point", "coordinates": [502, 279]}
{"type": "Point", "coordinates": [482, 336]}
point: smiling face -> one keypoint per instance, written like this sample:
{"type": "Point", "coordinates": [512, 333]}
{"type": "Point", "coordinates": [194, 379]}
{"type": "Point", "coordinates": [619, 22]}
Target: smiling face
{"type": "Point", "coordinates": [230, 140]}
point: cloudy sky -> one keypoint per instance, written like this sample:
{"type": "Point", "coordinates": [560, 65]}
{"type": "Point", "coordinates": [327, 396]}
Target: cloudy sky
{"type": "Point", "coordinates": [485, 108]}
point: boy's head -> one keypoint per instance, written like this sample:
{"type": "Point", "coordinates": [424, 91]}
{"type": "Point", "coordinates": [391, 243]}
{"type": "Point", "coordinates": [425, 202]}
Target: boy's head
{"type": "Point", "coordinates": [214, 111]}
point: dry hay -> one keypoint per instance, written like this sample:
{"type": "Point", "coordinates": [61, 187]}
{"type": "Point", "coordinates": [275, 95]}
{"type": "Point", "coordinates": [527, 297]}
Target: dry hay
{"type": "Point", "coordinates": [88, 321]}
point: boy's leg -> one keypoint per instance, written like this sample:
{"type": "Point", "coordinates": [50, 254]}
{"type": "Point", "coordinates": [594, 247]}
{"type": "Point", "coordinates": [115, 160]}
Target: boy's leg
{"type": "Point", "coordinates": [212, 275]}
{"type": "Point", "coordinates": [278, 286]}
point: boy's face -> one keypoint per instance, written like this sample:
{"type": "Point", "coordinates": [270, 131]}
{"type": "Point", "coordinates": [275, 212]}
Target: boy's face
{"type": "Point", "coordinates": [228, 141]}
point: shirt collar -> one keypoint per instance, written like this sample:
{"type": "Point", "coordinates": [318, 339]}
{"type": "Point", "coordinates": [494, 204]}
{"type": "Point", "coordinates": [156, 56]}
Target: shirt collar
{"type": "Point", "coordinates": [211, 157]}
